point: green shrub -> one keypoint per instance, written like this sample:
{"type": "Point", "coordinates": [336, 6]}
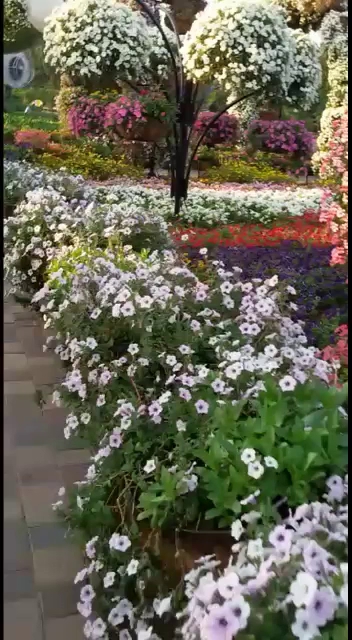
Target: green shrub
{"type": "Point", "coordinates": [47, 121]}
{"type": "Point", "coordinates": [28, 94]}
{"type": "Point", "coordinates": [87, 164]}
{"type": "Point", "coordinates": [242, 172]}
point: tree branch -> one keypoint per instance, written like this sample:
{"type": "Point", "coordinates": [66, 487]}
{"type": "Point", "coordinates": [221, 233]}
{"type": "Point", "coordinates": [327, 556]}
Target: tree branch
{"type": "Point", "coordinates": [166, 42]}
{"type": "Point", "coordinates": [210, 124]}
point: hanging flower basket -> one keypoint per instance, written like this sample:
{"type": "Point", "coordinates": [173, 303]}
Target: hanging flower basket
{"type": "Point", "coordinates": [271, 113]}
{"type": "Point", "coordinates": [150, 130]}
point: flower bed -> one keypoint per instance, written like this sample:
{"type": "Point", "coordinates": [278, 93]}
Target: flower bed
{"type": "Point", "coordinates": [197, 399]}
{"type": "Point", "coordinates": [288, 563]}
{"type": "Point", "coordinates": [210, 208]}
{"type": "Point", "coordinates": [207, 207]}
{"type": "Point", "coordinates": [306, 230]}
{"type": "Point", "coordinates": [322, 292]}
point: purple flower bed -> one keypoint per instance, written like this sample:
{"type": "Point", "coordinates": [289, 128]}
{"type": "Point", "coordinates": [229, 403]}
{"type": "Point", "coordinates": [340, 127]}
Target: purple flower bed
{"type": "Point", "coordinates": [322, 292]}
{"type": "Point", "coordinates": [281, 136]}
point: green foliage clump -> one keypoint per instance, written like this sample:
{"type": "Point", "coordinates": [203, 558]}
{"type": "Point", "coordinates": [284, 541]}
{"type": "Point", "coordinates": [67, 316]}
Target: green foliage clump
{"type": "Point", "coordinates": [25, 96]}
{"type": "Point", "coordinates": [18, 32]}
{"type": "Point", "coordinates": [88, 164]}
{"type": "Point", "coordinates": [37, 120]}
{"type": "Point", "coordinates": [241, 171]}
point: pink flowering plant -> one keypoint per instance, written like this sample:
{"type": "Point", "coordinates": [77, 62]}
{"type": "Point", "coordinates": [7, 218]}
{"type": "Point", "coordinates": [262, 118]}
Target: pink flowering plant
{"type": "Point", "coordinates": [281, 136]}
{"type": "Point", "coordinates": [291, 583]}
{"type": "Point", "coordinates": [86, 117]}
{"type": "Point", "coordinates": [49, 219]}
{"type": "Point", "coordinates": [125, 112]}
{"type": "Point", "coordinates": [334, 167]}
{"type": "Point", "coordinates": [224, 130]}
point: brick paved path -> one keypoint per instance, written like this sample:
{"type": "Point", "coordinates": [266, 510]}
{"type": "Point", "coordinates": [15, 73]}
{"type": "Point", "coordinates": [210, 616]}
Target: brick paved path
{"type": "Point", "coordinates": [40, 562]}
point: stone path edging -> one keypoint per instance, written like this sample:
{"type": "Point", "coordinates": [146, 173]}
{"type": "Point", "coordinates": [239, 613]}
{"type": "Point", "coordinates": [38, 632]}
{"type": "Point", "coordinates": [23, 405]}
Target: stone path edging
{"type": "Point", "coordinates": [40, 561]}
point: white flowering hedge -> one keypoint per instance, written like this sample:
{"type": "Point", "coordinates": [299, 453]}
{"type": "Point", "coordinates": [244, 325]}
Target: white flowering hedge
{"type": "Point", "coordinates": [334, 32]}
{"type": "Point", "coordinates": [306, 75]}
{"type": "Point", "coordinates": [203, 207]}
{"type": "Point", "coordinates": [47, 220]}
{"type": "Point", "coordinates": [244, 45]}
{"type": "Point", "coordinates": [84, 38]}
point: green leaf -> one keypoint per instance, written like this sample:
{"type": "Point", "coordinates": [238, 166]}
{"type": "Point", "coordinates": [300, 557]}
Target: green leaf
{"type": "Point", "coordinates": [310, 458]}
{"type": "Point", "coordinates": [212, 513]}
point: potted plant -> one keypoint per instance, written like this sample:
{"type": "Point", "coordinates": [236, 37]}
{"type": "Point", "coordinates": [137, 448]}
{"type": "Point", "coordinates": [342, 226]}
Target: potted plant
{"type": "Point", "coordinates": [224, 130]}
{"type": "Point", "coordinates": [205, 159]}
{"type": "Point", "coordinates": [145, 119]}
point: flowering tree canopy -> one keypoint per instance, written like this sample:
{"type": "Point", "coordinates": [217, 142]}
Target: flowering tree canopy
{"type": "Point", "coordinates": [91, 37]}
{"type": "Point", "coordinates": [246, 45]}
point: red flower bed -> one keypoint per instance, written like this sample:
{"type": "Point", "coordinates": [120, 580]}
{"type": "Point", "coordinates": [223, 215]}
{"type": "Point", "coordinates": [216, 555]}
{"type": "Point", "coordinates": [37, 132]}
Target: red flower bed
{"type": "Point", "coordinates": [306, 230]}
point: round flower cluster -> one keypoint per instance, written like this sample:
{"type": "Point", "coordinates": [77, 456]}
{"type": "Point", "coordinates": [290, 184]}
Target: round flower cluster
{"type": "Point", "coordinates": [334, 33]}
{"type": "Point", "coordinates": [305, 560]}
{"type": "Point", "coordinates": [15, 19]}
{"type": "Point", "coordinates": [306, 73]}
{"type": "Point", "coordinates": [245, 45]}
{"type": "Point", "coordinates": [334, 27]}
{"type": "Point", "coordinates": [337, 62]}
{"type": "Point", "coordinates": [91, 37]}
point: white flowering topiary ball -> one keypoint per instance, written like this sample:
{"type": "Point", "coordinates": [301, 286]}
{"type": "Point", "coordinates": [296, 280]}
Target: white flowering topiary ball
{"type": "Point", "coordinates": [94, 37]}
{"type": "Point", "coordinates": [306, 72]}
{"type": "Point", "coordinates": [244, 45]}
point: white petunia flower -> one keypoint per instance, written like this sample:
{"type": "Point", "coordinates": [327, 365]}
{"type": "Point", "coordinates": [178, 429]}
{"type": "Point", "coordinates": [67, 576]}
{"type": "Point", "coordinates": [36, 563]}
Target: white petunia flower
{"type": "Point", "coordinates": [248, 455]}
{"type": "Point", "coordinates": [150, 466]}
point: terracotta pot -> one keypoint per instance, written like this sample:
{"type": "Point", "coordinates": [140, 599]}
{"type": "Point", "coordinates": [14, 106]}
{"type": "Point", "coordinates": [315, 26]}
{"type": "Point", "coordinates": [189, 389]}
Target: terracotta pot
{"type": "Point", "coordinates": [178, 552]}
{"type": "Point", "coordinates": [271, 114]}
{"type": "Point", "coordinates": [149, 131]}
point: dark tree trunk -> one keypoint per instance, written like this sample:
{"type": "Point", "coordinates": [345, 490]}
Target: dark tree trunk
{"type": "Point", "coordinates": [152, 162]}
